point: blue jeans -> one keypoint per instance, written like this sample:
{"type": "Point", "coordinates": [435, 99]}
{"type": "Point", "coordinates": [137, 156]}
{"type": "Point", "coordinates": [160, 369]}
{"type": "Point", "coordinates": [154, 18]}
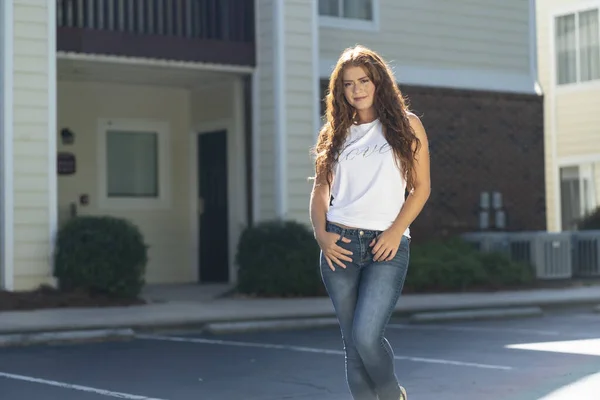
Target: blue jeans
{"type": "Point", "coordinates": [364, 295]}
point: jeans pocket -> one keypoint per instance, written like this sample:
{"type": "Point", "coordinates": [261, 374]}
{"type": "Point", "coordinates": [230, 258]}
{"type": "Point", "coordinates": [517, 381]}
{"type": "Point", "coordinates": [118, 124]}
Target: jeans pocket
{"type": "Point", "coordinates": [404, 246]}
{"type": "Point", "coordinates": [332, 228]}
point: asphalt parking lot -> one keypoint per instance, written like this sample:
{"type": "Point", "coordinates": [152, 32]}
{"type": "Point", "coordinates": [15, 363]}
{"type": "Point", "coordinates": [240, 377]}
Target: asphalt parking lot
{"type": "Point", "coordinates": [555, 357]}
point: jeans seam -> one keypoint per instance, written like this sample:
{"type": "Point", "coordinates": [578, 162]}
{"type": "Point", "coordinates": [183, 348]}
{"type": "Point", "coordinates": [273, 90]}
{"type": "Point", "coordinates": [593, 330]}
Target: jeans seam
{"type": "Point", "coordinates": [391, 310]}
{"type": "Point", "coordinates": [389, 315]}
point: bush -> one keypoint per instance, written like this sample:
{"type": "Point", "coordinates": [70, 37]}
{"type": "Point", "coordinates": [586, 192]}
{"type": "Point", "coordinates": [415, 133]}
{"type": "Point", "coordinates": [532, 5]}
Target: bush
{"type": "Point", "coordinates": [281, 258]}
{"type": "Point", "coordinates": [590, 221]}
{"type": "Point", "coordinates": [501, 272]}
{"type": "Point", "coordinates": [278, 258]}
{"type": "Point", "coordinates": [103, 255]}
{"type": "Point", "coordinates": [456, 265]}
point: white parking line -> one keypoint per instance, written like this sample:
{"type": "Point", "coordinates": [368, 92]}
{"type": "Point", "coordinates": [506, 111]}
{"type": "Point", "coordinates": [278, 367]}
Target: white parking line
{"type": "Point", "coordinates": [472, 329]}
{"type": "Point", "coordinates": [588, 347]}
{"type": "Point", "coordinates": [313, 350]}
{"type": "Point", "coordinates": [582, 389]}
{"type": "Point", "coordinates": [76, 387]}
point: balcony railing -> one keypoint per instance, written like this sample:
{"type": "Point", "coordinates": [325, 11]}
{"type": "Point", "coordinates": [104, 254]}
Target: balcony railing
{"type": "Point", "coordinates": [215, 31]}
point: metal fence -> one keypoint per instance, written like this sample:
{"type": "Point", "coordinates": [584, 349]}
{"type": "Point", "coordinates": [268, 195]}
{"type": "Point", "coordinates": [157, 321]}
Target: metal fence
{"type": "Point", "coordinates": [554, 255]}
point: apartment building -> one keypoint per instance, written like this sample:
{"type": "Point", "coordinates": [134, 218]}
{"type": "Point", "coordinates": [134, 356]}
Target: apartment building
{"type": "Point", "coordinates": [195, 118]}
{"type": "Point", "coordinates": [569, 72]}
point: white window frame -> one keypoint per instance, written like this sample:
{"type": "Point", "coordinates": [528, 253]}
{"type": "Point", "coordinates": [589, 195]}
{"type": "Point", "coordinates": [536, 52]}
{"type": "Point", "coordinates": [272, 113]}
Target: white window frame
{"type": "Point", "coordinates": [562, 12]}
{"type": "Point", "coordinates": [586, 172]}
{"type": "Point", "coordinates": [328, 21]}
{"type": "Point", "coordinates": [163, 200]}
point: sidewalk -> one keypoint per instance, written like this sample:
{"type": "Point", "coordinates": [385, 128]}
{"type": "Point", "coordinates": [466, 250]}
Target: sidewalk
{"type": "Point", "coordinates": [177, 314]}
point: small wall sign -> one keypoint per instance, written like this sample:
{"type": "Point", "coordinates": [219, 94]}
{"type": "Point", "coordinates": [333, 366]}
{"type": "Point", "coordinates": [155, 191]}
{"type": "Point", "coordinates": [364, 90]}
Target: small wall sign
{"type": "Point", "coordinates": [66, 163]}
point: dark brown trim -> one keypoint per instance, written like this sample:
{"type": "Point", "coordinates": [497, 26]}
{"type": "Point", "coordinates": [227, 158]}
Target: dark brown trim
{"type": "Point", "coordinates": [90, 41]}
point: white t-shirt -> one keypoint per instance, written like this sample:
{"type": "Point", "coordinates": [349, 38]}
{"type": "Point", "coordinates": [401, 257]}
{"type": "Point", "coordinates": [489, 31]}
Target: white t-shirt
{"type": "Point", "coordinates": [368, 188]}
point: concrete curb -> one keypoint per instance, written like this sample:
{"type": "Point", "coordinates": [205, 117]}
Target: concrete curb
{"type": "Point", "coordinates": [305, 323]}
{"type": "Point", "coordinates": [476, 314]}
{"type": "Point", "coordinates": [82, 335]}
{"type": "Point", "coordinates": [265, 325]}
{"type": "Point", "coordinates": [24, 339]}
{"type": "Point", "coordinates": [104, 327]}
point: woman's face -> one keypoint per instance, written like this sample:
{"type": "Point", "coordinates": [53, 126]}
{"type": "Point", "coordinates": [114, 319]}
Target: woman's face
{"type": "Point", "coordinates": [359, 90]}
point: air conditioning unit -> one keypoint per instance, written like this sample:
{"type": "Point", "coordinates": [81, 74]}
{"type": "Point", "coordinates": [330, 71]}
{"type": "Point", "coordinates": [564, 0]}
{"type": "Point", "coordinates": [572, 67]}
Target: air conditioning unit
{"type": "Point", "coordinates": [586, 253]}
{"type": "Point", "coordinates": [549, 253]}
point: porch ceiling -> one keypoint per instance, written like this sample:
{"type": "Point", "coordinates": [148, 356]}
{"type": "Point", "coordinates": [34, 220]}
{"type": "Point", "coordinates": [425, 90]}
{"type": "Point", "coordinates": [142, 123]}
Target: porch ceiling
{"type": "Point", "coordinates": [162, 75]}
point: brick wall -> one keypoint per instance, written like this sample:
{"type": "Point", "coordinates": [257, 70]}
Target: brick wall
{"type": "Point", "coordinates": [481, 141]}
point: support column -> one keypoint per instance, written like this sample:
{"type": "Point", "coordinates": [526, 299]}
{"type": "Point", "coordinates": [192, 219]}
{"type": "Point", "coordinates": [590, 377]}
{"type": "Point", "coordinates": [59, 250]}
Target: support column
{"type": "Point", "coordinates": [34, 141]}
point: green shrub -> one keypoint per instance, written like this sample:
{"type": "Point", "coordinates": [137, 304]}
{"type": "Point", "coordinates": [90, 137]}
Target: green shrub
{"type": "Point", "coordinates": [101, 254]}
{"type": "Point", "coordinates": [278, 258]}
{"type": "Point", "coordinates": [281, 258]}
{"type": "Point", "coordinates": [590, 221]}
{"type": "Point", "coordinates": [456, 265]}
{"type": "Point", "coordinates": [501, 272]}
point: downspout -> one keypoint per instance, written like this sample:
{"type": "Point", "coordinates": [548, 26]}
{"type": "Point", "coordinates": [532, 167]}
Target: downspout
{"type": "Point", "coordinates": [533, 64]}
{"type": "Point", "coordinates": [280, 133]}
{"type": "Point", "coordinates": [6, 150]}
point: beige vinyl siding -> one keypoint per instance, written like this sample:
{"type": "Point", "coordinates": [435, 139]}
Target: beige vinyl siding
{"type": "Point", "coordinates": [544, 10]}
{"type": "Point", "coordinates": [544, 62]}
{"type": "Point", "coordinates": [31, 164]}
{"type": "Point", "coordinates": [300, 98]}
{"type": "Point", "coordinates": [578, 130]}
{"type": "Point", "coordinates": [462, 34]}
{"type": "Point", "coordinates": [578, 123]}
{"type": "Point", "coordinates": [266, 103]}
{"type": "Point", "coordinates": [597, 182]}
{"type": "Point", "coordinates": [572, 121]}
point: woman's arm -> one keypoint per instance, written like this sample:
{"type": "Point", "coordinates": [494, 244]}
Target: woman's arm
{"type": "Point", "coordinates": [386, 247]}
{"type": "Point", "coordinates": [422, 187]}
{"type": "Point", "coordinates": [319, 204]}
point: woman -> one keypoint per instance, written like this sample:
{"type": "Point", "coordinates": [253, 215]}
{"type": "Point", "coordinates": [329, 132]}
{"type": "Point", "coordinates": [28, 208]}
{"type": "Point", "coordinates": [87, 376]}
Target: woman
{"type": "Point", "coordinates": [370, 153]}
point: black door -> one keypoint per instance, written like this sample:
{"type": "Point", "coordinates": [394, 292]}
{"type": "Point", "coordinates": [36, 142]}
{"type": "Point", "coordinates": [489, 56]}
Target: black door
{"type": "Point", "coordinates": [212, 188]}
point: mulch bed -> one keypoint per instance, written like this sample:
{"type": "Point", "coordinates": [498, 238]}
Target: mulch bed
{"type": "Point", "coordinates": [49, 297]}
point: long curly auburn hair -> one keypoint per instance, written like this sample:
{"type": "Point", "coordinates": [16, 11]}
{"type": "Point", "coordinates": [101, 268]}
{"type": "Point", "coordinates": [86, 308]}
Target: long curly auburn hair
{"type": "Point", "coordinates": [390, 108]}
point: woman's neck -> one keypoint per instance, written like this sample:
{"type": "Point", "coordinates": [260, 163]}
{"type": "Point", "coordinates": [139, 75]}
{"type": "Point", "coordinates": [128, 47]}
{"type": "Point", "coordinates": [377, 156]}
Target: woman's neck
{"type": "Point", "coordinates": [366, 116]}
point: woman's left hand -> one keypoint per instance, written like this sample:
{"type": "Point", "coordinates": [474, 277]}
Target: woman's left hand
{"type": "Point", "coordinates": [386, 245]}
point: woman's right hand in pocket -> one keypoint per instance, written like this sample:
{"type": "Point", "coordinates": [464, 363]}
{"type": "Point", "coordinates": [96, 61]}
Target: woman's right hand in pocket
{"type": "Point", "coordinates": [334, 254]}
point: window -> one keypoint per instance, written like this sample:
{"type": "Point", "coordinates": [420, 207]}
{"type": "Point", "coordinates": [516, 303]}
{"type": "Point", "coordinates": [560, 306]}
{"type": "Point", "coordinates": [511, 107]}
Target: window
{"type": "Point", "coordinates": [577, 193]}
{"type": "Point", "coordinates": [348, 14]}
{"type": "Point", "coordinates": [355, 9]}
{"type": "Point", "coordinates": [577, 40]}
{"type": "Point", "coordinates": [133, 164]}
